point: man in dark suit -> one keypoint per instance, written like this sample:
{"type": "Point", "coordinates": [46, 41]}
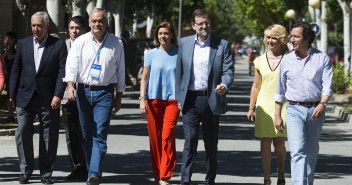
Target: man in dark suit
{"type": "Point", "coordinates": [74, 139]}
{"type": "Point", "coordinates": [204, 73]}
{"type": "Point", "coordinates": [36, 85]}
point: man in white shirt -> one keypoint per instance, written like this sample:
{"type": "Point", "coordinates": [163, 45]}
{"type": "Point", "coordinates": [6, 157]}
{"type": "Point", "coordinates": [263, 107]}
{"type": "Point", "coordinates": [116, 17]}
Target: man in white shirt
{"type": "Point", "coordinates": [96, 63]}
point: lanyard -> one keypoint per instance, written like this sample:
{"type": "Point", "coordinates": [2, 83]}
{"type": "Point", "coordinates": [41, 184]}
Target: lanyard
{"type": "Point", "coordinates": [97, 53]}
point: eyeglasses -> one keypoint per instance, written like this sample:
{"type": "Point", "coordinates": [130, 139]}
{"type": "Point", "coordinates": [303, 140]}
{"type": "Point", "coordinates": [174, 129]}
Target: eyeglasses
{"type": "Point", "coordinates": [206, 23]}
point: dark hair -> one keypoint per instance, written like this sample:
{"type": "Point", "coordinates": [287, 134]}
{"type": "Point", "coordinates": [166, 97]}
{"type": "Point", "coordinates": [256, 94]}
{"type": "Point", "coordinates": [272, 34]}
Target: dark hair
{"type": "Point", "coordinates": [78, 20]}
{"type": "Point", "coordinates": [199, 13]}
{"type": "Point", "coordinates": [125, 34]}
{"type": "Point", "coordinates": [168, 26]}
{"type": "Point", "coordinates": [12, 35]}
{"type": "Point", "coordinates": [307, 31]}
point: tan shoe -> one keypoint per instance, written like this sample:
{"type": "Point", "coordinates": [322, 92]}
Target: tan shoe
{"type": "Point", "coordinates": [162, 182]}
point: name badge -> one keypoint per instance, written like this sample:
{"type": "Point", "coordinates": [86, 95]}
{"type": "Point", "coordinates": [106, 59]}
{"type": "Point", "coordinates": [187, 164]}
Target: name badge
{"type": "Point", "coordinates": [95, 71]}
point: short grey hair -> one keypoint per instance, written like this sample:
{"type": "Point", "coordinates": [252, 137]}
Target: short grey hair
{"type": "Point", "coordinates": [99, 10]}
{"type": "Point", "coordinates": [44, 15]}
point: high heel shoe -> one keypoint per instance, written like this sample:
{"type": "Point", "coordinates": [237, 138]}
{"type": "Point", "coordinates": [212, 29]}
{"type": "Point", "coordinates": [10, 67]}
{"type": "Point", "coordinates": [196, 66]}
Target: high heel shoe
{"type": "Point", "coordinates": [281, 178]}
{"type": "Point", "coordinates": [267, 182]}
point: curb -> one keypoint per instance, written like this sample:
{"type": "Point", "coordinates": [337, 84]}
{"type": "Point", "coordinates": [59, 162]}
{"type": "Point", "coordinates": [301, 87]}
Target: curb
{"type": "Point", "coordinates": [345, 115]}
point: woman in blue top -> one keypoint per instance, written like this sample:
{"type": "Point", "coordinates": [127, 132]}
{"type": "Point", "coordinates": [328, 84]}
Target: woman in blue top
{"type": "Point", "coordinates": [157, 100]}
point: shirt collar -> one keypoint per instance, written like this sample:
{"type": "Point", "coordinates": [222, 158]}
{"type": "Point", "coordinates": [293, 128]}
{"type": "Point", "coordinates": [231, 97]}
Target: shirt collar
{"type": "Point", "coordinates": [105, 36]}
{"type": "Point", "coordinates": [206, 43]}
{"type": "Point", "coordinates": [43, 43]}
{"type": "Point", "coordinates": [310, 50]}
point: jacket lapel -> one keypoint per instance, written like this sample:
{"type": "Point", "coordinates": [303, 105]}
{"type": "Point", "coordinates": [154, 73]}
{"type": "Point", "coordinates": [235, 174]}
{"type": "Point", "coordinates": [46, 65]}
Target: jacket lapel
{"type": "Point", "coordinates": [212, 53]}
{"type": "Point", "coordinates": [189, 48]}
{"type": "Point", "coordinates": [30, 54]}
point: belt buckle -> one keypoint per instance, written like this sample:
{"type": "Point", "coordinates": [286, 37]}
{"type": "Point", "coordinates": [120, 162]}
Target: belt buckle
{"type": "Point", "coordinates": [308, 104]}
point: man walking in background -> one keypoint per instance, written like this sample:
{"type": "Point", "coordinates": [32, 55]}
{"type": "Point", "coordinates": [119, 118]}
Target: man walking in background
{"type": "Point", "coordinates": [76, 27]}
{"type": "Point", "coordinates": [36, 85]}
{"type": "Point", "coordinates": [204, 73]}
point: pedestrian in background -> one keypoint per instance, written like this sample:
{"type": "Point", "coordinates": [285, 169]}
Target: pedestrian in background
{"type": "Point", "coordinates": [262, 93]}
{"type": "Point", "coordinates": [74, 140]}
{"type": "Point", "coordinates": [305, 82]}
{"type": "Point", "coordinates": [2, 74]}
{"type": "Point", "coordinates": [10, 41]}
{"type": "Point", "coordinates": [157, 99]}
{"type": "Point", "coordinates": [204, 74]}
{"type": "Point", "coordinates": [96, 62]}
{"type": "Point", "coordinates": [37, 87]}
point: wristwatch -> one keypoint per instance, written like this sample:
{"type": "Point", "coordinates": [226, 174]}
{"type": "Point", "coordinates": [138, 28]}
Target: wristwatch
{"type": "Point", "coordinates": [323, 103]}
{"type": "Point", "coordinates": [141, 97]}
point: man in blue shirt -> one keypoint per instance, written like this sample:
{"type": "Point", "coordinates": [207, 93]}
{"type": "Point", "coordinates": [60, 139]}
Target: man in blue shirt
{"type": "Point", "coordinates": [305, 82]}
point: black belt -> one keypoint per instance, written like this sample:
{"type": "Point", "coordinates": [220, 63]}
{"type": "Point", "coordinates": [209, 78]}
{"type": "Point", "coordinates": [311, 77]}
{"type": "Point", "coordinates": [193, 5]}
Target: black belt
{"type": "Point", "coordinates": [304, 104]}
{"type": "Point", "coordinates": [198, 93]}
{"type": "Point", "coordinates": [97, 87]}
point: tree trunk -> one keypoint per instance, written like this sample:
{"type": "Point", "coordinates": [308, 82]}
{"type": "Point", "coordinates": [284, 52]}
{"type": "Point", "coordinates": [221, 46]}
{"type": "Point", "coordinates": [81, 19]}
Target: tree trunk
{"type": "Point", "coordinates": [135, 24]}
{"type": "Point", "coordinates": [100, 3]}
{"type": "Point", "coordinates": [78, 7]}
{"type": "Point", "coordinates": [346, 32]}
{"type": "Point", "coordinates": [53, 7]}
{"type": "Point", "coordinates": [22, 21]}
{"type": "Point", "coordinates": [117, 9]}
{"type": "Point", "coordinates": [150, 21]}
{"type": "Point", "coordinates": [91, 4]}
{"type": "Point", "coordinates": [323, 28]}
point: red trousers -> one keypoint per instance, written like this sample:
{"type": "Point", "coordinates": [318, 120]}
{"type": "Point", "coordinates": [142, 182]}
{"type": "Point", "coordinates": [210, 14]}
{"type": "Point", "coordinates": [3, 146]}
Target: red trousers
{"type": "Point", "coordinates": [162, 116]}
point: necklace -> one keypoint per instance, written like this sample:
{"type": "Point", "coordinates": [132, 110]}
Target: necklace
{"type": "Point", "coordinates": [272, 70]}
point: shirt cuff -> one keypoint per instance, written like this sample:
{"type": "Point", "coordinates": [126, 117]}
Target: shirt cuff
{"type": "Point", "coordinates": [224, 86]}
{"type": "Point", "coordinates": [69, 79]}
{"type": "Point", "coordinates": [279, 98]}
{"type": "Point", "coordinates": [120, 88]}
{"type": "Point", "coordinates": [326, 93]}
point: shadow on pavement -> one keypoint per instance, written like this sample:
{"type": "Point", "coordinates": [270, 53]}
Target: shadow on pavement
{"type": "Point", "coordinates": [135, 169]}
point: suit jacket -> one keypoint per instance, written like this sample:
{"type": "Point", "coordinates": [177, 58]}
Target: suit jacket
{"type": "Point", "coordinates": [220, 68]}
{"type": "Point", "coordinates": [24, 80]}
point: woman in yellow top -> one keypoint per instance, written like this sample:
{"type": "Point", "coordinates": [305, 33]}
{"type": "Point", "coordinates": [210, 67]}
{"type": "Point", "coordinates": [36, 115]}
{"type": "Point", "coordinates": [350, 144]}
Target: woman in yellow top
{"type": "Point", "coordinates": [262, 93]}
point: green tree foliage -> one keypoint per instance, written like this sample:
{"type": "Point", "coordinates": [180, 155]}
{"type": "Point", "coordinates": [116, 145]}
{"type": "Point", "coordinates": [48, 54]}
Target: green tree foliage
{"type": "Point", "coordinates": [334, 20]}
{"type": "Point", "coordinates": [225, 20]}
{"type": "Point", "coordinates": [258, 15]}
{"type": "Point", "coordinates": [340, 82]}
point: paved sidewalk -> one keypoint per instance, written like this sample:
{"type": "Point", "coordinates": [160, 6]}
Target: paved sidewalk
{"type": "Point", "coordinates": [128, 161]}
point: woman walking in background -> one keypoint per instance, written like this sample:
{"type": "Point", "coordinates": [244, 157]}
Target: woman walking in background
{"type": "Point", "coordinates": [10, 40]}
{"type": "Point", "coordinates": [262, 93]}
{"type": "Point", "coordinates": [157, 100]}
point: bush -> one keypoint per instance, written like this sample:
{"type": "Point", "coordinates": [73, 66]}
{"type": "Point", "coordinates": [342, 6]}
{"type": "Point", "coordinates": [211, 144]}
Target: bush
{"type": "Point", "coordinates": [340, 82]}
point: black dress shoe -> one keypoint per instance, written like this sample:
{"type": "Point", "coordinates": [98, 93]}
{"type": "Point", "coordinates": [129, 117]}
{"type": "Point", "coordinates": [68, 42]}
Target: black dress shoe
{"type": "Point", "coordinates": [47, 180]}
{"type": "Point", "coordinates": [78, 174]}
{"type": "Point", "coordinates": [24, 179]}
{"type": "Point", "coordinates": [93, 180]}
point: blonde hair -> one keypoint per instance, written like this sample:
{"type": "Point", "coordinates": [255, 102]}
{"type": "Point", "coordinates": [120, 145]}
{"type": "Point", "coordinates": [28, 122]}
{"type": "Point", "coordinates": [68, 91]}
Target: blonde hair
{"type": "Point", "coordinates": [277, 31]}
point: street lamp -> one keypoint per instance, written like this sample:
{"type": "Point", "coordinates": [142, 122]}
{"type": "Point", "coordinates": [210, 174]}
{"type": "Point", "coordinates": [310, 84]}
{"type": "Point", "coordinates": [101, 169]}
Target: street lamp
{"type": "Point", "coordinates": [291, 15]}
{"type": "Point", "coordinates": [314, 4]}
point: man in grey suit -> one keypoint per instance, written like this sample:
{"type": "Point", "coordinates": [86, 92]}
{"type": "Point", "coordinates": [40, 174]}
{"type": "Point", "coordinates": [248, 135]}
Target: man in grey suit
{"type": "Point", "coordinates": [204, 74]}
